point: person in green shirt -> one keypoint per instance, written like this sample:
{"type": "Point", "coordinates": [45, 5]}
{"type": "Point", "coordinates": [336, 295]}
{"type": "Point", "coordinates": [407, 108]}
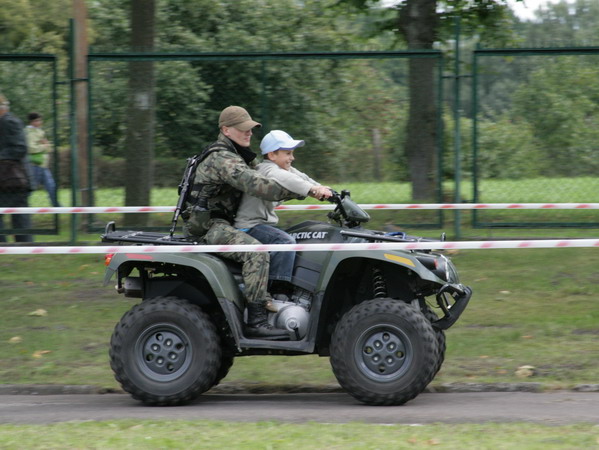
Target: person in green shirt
{"type": "Point", "coordinates": [39, 156]}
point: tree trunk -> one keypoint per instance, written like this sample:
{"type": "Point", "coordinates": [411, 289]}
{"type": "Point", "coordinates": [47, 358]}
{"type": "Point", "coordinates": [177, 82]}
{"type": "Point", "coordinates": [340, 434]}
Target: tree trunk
{"type": "Point", "coordinates": [377, 153]}
{"type": "Point", "coordinates": [139, 141]}
{"type": "Point", "coordinates": [418, 24]}
{"type": "Point", "coordinates": [421, 136]}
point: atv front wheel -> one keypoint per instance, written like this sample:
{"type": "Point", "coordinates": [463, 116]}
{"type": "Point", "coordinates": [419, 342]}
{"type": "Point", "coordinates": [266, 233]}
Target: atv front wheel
{"type": "Point", "coordinates": [165, 351]}
{"type": "Point", "coordinates": [441, 341]}
{"type": "Point", "coordinates": [384, 352]}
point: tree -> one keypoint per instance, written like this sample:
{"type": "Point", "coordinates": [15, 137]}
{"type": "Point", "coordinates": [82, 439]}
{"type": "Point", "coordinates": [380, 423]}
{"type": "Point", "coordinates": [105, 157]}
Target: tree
{"type": "Point", "coordinates": [560, 102]}
{"type": "Point", "coordinates": [315, 99]}
{"type": "Point", "coordinates": [563, 23]}
{"type": "Point", "coordinates": [30, 27]}
{"type": "Point", "coordinates": [418, 25]}
{"type": "Point", "coordinates": [139, 142]}
{"type": "Point", "coordinates": [421, 24]}
{"type": "Point", "coordinates": [552, 100]}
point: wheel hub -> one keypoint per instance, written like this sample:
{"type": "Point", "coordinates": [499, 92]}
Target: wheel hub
{"type": "Point", "coordinates": [383, 354]}
{"type": "Point", "coordinates": [163, 352]}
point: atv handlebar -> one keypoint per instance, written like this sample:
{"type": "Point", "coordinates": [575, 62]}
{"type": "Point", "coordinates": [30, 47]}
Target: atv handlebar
{"type": "Point", "coordinates": [337, 197]}
{"type": "Point", "coordinates": [347, 212]}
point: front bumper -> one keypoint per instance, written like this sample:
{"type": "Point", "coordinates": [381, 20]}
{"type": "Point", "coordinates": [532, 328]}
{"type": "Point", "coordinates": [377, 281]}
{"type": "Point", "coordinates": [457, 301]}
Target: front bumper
{"type": "Point", "coordinates": [452, 299]}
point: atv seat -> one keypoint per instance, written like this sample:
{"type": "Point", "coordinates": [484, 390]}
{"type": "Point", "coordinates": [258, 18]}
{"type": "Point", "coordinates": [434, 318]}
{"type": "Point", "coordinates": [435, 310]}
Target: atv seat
{"type": "Point", "coordinates": [111, 234]}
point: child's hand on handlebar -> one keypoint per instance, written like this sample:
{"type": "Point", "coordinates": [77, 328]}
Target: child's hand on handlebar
{"type": "Point", "coordinates": [321, 192]}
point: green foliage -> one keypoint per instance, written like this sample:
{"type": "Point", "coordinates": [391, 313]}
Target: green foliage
{"type": "Point", "coordinates": [180, 110]}
{"type": "Point", "coordinates": [561, 104]}
{"type": "Point", "coordinates": [538, 116]}
{"type": "Point", "coordinates": [545, 107]}
{"type": "Point", "coordinates": [487, 20]}
{"type": "Point", "coordinates": [27, 86]}
{"type": "Point", "coordinates": [290, 95]}
{"type": "Point", "coordinates": [563, 23]}
{"type": "Point", "coordinates": [28, 26]}
{"type": "Point", "coordinates": [507, 149]}
{"type": "Point", "coordinates": [449, 147]}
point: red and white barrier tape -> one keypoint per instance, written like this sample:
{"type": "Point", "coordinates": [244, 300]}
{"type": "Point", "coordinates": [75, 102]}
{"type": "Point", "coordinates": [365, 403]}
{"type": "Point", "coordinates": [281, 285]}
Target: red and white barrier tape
{"type": "Point", "coordinates": [324, 206]}
{"type": "Point", "coordinates": [455, 206]}
{"type": "Point", "coordinates": [88, 210]}
{"type": "Point", "coordinates": [145, 249]}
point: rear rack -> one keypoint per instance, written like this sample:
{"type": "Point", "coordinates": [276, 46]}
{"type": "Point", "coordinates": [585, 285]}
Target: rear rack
{"type": "Point", "coordinates": [143, 237]}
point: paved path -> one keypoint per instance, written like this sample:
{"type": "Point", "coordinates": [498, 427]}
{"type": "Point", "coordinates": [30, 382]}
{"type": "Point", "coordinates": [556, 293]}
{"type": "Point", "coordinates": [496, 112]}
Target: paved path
{"type": "Point", "coordinates": [554, 408]}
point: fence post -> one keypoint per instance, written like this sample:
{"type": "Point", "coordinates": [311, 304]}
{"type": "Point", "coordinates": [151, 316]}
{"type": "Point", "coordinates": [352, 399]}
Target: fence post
{"type": "Point", "coordinates": [73, 135]}
{"type": "Point", "coordinates": [457, 134]}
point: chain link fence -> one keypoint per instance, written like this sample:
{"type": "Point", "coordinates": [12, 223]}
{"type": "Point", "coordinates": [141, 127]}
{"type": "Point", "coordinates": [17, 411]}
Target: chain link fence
{"type": "Point", "coordinates": [535, 134]}
{"type": "Point", "coordinates": [29, 82]}
{"type": "Point", "coordinates": [532, 115]}
{"type": "Point", "coordinates": [350, 108]}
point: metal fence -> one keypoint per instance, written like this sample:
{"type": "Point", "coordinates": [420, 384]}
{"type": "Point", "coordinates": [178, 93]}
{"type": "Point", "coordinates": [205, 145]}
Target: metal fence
{"type": "Point", "coordinates": [350, 108]}
{"type": "Point", "coordinates": [30, 83]}
{"type": "Point", "coordinates": [535, 134]}
{"type": "Point", "coordinates": [533, 115]}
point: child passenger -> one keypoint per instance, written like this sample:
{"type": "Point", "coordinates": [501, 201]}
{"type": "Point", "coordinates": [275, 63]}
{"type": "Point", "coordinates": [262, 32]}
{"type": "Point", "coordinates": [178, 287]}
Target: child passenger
{"type": "Point", "coordinates": [257, 217]}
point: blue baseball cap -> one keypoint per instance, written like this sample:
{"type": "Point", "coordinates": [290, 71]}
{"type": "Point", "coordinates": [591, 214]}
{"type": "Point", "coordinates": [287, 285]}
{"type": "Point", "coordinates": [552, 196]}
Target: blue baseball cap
{"type": "Point", "coordinates": [278, 140]}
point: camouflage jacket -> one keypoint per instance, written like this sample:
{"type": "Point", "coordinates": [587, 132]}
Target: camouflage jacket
{"type": "Point", "coordinates": [220, 180]}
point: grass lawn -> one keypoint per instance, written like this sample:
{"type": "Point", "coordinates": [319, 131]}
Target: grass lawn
{"type": "Point", "coordinates": [147, 434]}
{"type": "Point", "coordinates": [530, 307]}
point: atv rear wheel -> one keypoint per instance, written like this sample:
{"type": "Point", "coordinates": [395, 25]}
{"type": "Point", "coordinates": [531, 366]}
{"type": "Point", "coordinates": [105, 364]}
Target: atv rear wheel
{"type": "Point", "coordinates": [384, 352]}
{"type": "Point", "coordinates": [165, 351]}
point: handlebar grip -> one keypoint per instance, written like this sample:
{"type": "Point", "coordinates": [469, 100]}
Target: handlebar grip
{"type": "Point", "coordinates": [335, 198]}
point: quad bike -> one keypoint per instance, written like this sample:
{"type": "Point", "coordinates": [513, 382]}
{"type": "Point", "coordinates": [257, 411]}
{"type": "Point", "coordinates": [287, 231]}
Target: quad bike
{"type": "Point", "coordinates": [366, 310]}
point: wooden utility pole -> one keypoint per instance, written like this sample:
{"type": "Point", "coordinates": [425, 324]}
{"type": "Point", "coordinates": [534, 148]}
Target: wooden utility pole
{"type": "Point", "coordinates": [81, 85]}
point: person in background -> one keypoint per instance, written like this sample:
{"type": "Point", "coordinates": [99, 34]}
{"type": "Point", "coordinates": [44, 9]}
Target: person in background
{"type": "Point", "coordinates": [15, 174]}
{"type": "Point", "coordinates": [39, 156]}
{"type": "Point", "coordinates": [257, 216]}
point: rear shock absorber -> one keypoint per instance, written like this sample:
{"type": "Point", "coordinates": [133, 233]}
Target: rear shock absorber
{"type": "Point", "coordinates": [379, 286]}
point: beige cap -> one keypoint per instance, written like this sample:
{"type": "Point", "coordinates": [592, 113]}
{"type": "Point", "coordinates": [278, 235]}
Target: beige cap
{"type": "Point", "coordinates": [238, 117]}
{"type": "Point", "coordinates": [4, 101]}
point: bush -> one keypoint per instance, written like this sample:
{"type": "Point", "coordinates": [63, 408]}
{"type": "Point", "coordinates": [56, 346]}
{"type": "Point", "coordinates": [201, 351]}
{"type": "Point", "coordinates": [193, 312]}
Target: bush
{"type": "Point", "coordinates": [109, 172]}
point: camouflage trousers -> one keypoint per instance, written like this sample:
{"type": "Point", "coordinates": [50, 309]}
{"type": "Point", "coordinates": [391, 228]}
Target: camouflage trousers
{"type": "Point", "coordinates": [255, 265]}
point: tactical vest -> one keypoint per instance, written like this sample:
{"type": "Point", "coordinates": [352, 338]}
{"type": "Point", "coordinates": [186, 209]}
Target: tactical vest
{"type": "Point", "coordinates": [198, 207]}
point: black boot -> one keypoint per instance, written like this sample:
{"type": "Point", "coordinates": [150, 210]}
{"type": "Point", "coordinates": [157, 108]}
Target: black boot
{"type": "Point", "coordinates": [258, 326]}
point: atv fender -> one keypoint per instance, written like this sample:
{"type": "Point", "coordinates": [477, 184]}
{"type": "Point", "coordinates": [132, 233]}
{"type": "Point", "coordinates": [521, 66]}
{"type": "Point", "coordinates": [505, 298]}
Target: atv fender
{"type": "Point", "coordinates": [213, 269]}
{"type": "Point", "coordinates": [407, 260]}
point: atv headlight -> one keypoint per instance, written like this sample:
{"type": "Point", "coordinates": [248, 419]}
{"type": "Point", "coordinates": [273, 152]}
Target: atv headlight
{"type": "Point", "coordinates": [452, 273]}
{"type": "Point", "coordinates": [440, 266]}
